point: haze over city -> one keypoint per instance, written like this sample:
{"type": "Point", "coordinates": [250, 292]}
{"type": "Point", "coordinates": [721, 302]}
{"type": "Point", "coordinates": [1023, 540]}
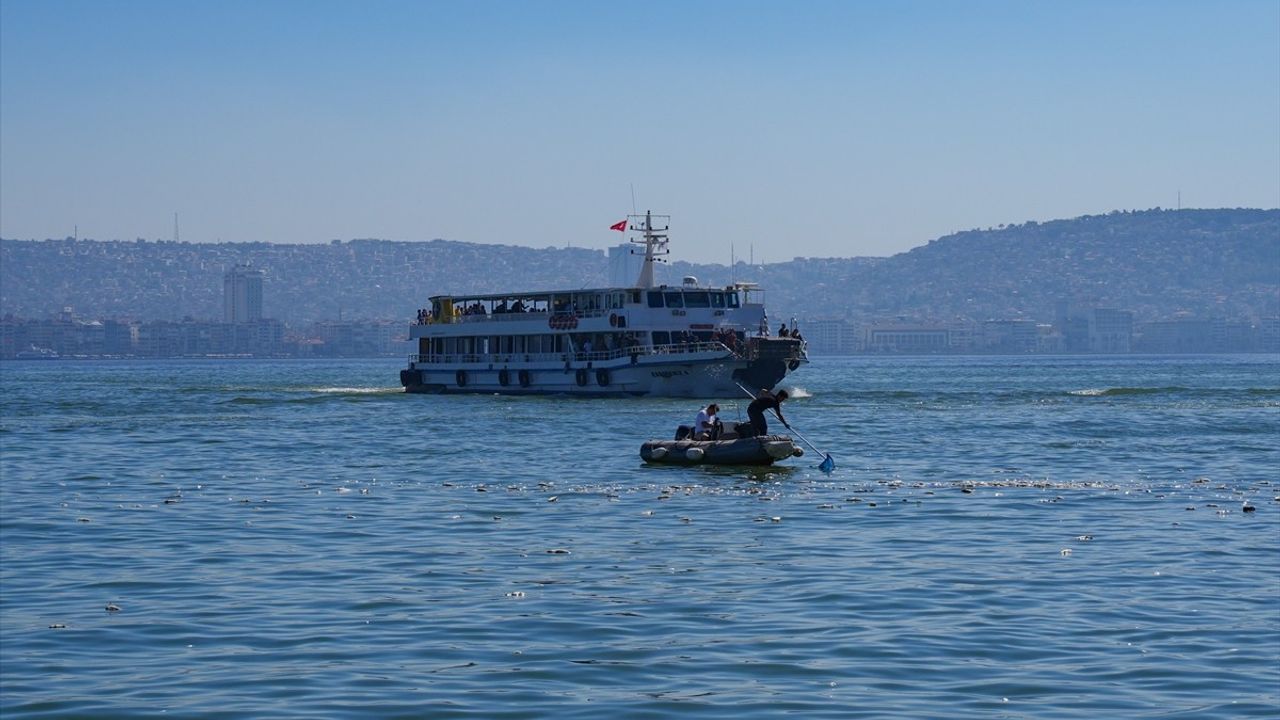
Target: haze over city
{"type": "Point", "coordinates": [798, 129]}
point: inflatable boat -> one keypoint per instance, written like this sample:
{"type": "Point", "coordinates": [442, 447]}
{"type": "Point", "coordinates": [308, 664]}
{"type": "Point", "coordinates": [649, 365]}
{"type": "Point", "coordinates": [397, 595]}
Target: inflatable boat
{"type": "Point", "coordinates": [759, 450]}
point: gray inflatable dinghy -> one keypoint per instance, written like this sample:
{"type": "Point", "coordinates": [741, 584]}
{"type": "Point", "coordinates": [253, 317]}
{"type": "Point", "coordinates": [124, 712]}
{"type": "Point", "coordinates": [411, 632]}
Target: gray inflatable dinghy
{"type": "Point", "coordinates": [759, 450]}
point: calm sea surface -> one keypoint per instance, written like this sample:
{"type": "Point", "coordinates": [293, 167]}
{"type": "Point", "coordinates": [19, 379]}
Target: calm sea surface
{"type": "Point", "coordinates": [1001, 538]}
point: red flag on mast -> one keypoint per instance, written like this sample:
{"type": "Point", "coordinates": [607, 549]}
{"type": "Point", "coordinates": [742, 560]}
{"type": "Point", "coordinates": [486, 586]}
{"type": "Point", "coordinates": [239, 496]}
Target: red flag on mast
{"type": "Point", "coordinates": [620, 226]}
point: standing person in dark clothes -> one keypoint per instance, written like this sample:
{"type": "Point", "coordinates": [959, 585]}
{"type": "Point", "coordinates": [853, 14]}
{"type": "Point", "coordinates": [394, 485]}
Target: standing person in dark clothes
{"type": "Point", "coordinates": [766, 401]}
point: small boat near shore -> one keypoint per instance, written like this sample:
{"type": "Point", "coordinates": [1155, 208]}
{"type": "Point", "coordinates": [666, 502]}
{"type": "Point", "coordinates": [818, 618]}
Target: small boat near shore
{"type": "Point", "coordinates": [37, 353]}
{"type": "Point", "coordinates": [758, 450]}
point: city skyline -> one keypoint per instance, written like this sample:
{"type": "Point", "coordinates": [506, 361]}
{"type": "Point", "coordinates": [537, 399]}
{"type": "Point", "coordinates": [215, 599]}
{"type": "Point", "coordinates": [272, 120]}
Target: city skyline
{"type": "Point", "coordinates": [823, 129]}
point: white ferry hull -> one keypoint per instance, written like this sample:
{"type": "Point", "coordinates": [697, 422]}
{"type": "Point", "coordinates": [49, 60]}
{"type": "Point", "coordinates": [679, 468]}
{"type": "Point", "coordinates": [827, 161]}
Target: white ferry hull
{"type": "Point", "coordinates": [667, 379]}
{"type": "Point", "coordinates": [700, 374]}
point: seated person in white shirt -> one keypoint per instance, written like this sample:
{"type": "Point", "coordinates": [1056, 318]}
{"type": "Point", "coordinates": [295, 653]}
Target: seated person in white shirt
{"type": "Point", "coordinates": [707, 425]}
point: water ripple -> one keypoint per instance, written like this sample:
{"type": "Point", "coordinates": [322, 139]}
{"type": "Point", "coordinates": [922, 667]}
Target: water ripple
{"type": "Point", "coordinates": [297, 540]}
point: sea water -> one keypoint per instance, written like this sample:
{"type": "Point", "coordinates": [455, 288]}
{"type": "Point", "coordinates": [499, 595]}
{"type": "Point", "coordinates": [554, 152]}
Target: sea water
{"type": "Point", "coordinates": [1079, 537]}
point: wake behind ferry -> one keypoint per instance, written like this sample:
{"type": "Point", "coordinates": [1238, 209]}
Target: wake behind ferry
{"type": "Point", "coordinates": [647, 340]}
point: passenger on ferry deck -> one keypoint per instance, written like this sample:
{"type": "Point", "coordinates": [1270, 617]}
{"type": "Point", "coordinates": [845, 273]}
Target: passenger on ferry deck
{"type": "Point", "coordinates": [500, 308]}
{"type": "Point", "coordinates": [782, 331]}
{"type": "Point", "coordinates": [518, 307]}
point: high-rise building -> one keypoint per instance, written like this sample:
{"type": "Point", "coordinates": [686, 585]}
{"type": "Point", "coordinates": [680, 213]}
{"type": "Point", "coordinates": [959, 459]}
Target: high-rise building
{"type": "Point", "coordinates": [242, 295]}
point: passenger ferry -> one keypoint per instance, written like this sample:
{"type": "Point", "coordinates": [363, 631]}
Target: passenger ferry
{"type": "Point", "coordinates": [647, 340]}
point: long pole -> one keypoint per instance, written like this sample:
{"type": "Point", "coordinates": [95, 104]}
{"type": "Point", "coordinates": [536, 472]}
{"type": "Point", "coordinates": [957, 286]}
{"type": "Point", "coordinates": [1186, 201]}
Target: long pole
{"type": "Point", "coordinates": [827, 465]}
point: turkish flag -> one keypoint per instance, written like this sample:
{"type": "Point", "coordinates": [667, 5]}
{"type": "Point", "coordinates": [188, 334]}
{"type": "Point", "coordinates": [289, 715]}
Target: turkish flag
{"type": "Point", "coordinates": [620, 226]}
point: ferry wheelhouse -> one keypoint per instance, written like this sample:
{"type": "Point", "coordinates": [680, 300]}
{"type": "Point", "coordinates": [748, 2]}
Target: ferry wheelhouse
{"type": "Point", "coordinates": [686, 340]}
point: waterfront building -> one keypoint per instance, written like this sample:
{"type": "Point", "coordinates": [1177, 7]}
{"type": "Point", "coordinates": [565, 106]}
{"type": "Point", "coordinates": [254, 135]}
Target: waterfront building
{"type": "Point", "coordinates": [829, 336]}
{"type": "Point", "coordinates": [907, 339]}
{"type": "Point", "coordinates": [1110, 331]}
{"type": "Point", "coordinates": [1009, 336]}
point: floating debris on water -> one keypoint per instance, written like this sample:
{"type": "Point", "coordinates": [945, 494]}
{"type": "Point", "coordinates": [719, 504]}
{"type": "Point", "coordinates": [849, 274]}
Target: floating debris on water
{"type": "Point", "coordinates": [112, 608]}
{"type": "Point", "coordinates": [1066, 552]}
{"type": "Point", "coordinates": [558, 551]}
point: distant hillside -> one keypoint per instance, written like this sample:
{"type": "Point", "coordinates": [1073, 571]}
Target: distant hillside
{"type": "Point", "coordinates": [1157, 263]}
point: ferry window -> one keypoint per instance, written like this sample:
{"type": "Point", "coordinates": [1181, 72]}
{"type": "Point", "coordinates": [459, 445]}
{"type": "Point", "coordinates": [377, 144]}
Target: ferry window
{"type": "Point", "coordinates": [717, 299]}
{"type": "Point", "coordinates": [674, 299]}
{"type": "Point", "coordinates": [698, 299]}
{"type": "Point", "coordinates": [655, 299]}
{"type": "Point", "coordinates": [634, 297]}
{"type": "Point", "coordinates": [732, 298]}
{"type": "Point", "coordinates": [661, 338]}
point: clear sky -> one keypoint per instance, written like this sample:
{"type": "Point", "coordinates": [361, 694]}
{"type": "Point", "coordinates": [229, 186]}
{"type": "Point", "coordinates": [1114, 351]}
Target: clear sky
{"type": "Point", "coordinates": [802, 128]}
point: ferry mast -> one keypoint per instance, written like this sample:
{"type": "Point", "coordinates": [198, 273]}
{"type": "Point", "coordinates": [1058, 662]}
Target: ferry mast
{"type": "Point", "coordinates": [654, 240]}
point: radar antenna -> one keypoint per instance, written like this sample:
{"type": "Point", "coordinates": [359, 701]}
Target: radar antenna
{"type": "Point", "coordinates": [654, 240]}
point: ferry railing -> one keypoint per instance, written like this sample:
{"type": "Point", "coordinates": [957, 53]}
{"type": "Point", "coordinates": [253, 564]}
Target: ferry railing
{"type": "Point", "coordinates": [514, 316]}
{"type": "Point", "coordinates": [559, 357]}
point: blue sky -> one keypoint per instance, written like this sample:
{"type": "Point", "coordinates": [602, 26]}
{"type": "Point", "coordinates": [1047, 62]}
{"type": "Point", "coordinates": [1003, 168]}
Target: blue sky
{"type": "Point", "coordinates": [804, 128]}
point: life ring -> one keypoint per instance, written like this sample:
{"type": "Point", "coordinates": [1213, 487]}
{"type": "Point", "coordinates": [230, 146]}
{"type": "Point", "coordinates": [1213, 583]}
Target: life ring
{"type": "Point", "coordinates": [524, 378]}
{"type": "Point", "coordinates": [602, 377]}
{"type": "Point", "coordinates": [461, 378]}
{"type": "Point", "coordinates": [613, 319]}
{"type": "Point", "coordinates": [581, 377]}
{"type": "Point", "coordinates": [504, 377]}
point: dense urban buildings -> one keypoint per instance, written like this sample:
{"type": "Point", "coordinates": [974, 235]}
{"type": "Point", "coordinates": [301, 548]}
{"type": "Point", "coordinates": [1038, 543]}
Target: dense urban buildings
{"type": "Point", "coordinates": [1156, 281]}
